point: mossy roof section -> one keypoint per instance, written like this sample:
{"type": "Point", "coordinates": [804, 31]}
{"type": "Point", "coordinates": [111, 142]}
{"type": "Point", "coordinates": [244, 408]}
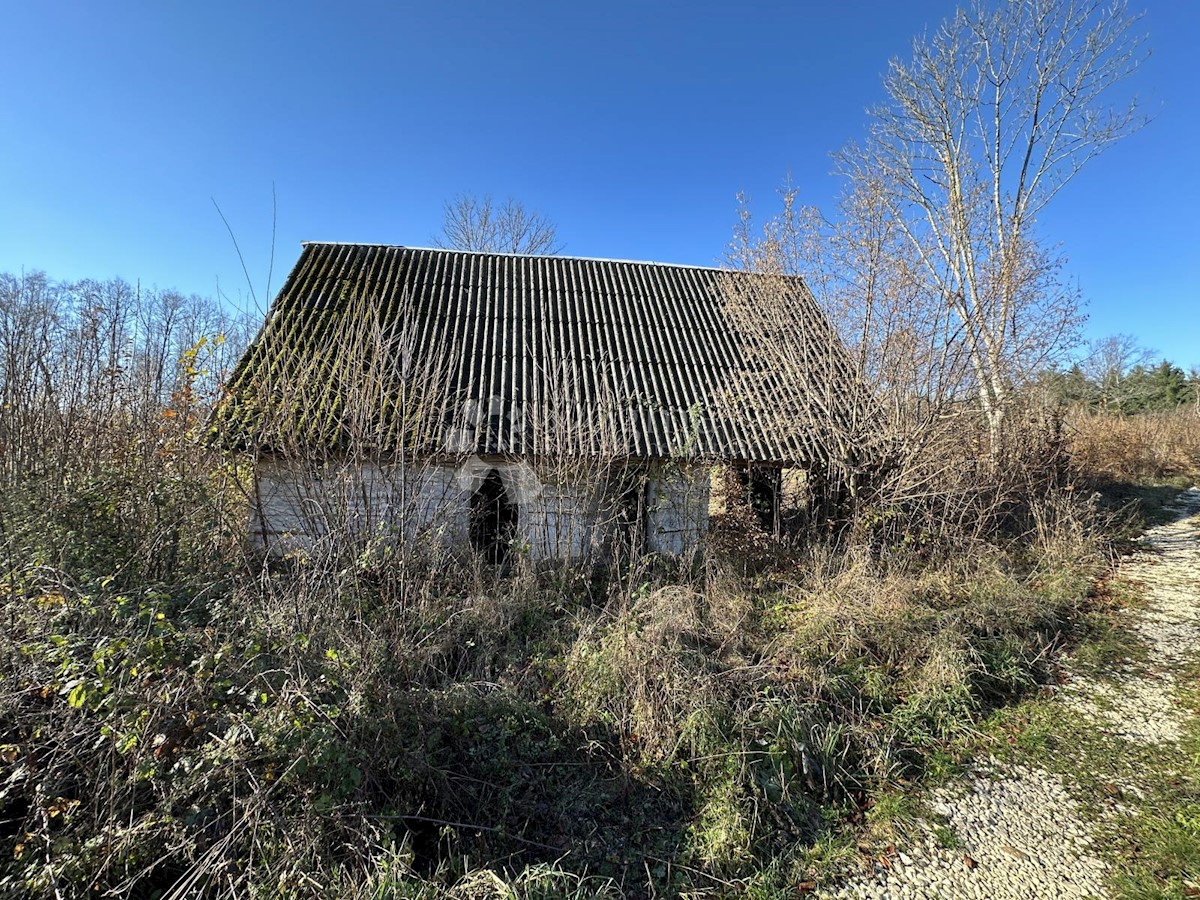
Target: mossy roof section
{"type": "Point", "coordinates": [427, 350]}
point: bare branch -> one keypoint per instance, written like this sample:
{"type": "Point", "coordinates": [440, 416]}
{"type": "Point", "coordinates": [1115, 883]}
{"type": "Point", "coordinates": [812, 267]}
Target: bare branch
{"type": "Point", "coordinates": [471, 223]}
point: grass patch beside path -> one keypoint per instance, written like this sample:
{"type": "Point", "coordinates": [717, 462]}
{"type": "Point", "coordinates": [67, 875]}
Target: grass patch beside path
{"type": "Point", "coordinates": [362, 729]}
{"type": "Point", "coordinates": [322, 732]}
{"type": "Point", "coordinates": [1142, 800]}
{"type": "Point", "coordinates": [1140, 505]}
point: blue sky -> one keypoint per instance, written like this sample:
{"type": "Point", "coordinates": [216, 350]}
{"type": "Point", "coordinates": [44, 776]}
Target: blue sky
{"type": "Point", "coordinates": [631, 125]}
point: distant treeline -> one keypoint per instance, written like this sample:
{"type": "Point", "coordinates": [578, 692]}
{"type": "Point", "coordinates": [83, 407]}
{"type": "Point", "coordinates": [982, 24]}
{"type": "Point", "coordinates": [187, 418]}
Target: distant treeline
{"type": "Point", "coordinates": [1141, 388]}
{"type": "Point", "coordinates": [107, 340]}
{"type": "Point", "coordinates": [79, 357]}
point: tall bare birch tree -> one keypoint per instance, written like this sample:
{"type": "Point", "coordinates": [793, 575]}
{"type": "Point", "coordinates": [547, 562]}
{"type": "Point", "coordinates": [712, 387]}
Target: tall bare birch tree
{"type": "Point", "coordinates": [994, 114]}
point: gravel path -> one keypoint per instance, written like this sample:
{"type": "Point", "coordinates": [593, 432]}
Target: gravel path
{"type": "Point", "coordinates": [1017, 831]}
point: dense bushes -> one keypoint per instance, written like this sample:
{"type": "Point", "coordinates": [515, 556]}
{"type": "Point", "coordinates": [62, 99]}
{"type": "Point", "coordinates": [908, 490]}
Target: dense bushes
{"type": "Point", "coordinates": [213, 726]}
{"type": "Point", "coordinates": [169, 738]}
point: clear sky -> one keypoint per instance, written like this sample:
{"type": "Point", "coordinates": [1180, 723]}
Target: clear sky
{"type": "Point", "coordinates": [631, 125]}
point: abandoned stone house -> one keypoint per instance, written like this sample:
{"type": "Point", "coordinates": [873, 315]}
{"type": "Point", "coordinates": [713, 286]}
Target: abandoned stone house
{"type": "Point", "coordinates": [493, 401]}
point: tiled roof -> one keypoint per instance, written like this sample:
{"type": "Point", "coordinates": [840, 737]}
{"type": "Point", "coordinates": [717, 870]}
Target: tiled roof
{"type": "Point", "coordinates": [507, 354]}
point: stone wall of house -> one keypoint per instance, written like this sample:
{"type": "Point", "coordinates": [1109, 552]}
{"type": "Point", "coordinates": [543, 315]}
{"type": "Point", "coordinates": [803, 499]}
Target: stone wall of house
{"type": "Point", "coordinates": [298, 507]}
{"type": "Point", "coordinates": [301, 508]}
{"type": "Point", "coordinates": [677, 508]}
{"type": "Point", "coordinates": [568, 520]}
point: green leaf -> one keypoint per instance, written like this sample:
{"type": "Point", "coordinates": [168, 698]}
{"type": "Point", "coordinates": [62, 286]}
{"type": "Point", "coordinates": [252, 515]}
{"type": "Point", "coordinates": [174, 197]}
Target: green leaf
{"type": "Point", "coordinates": [78, 696]}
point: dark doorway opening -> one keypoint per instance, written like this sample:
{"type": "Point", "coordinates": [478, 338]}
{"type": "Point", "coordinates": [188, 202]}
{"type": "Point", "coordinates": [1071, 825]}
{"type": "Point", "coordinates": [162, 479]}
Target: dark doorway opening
{"type": "Point", "coordinates": [493, 520]}
{"type": "Point", "coordinates": [762, 487]}
{"type": "Point", "coordinates": [630, 526]}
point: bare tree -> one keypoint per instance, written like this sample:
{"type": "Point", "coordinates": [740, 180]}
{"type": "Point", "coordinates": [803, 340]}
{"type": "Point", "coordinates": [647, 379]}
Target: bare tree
{"type": "Point", "coordinates": [471, 223]}
{"type": "Point", "coordinates": [989, 120]}
{"type": "Point", "coordinates": [1109, 361]}
{"type": "Point", "coordinates": [866, 279]}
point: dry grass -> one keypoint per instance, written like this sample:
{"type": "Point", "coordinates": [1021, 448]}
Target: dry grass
{"type": "Point", "coordinates": [298, 729]}
{"type": "Point", "coordinates": [822, 685]}
{"type": "Point", "coordinates": [1146, 446]}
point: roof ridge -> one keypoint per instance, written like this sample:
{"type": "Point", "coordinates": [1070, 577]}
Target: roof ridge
{"type": "Point", "coordinates": [640, 262]}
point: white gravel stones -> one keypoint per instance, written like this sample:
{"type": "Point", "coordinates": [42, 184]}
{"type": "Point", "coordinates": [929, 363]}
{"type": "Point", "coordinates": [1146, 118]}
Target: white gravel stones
{"type": "Point", "coordinates": [1170, 573]}
{"type": "Point", "coordinates": [1020, 831]}
{"type": "Point", "coordinates": [1144, 708]}
{"type": "Point", "coordinates": [1139, 709]}
{"type": "Point", "coordinates": [1020, 838]}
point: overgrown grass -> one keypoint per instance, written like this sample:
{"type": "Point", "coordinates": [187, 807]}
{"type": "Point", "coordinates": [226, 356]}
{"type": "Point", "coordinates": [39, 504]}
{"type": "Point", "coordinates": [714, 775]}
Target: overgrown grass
{"type": "Point", "coordinates": [375, 727]}
{"type": "Point", "coordinates": [179, 719]}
